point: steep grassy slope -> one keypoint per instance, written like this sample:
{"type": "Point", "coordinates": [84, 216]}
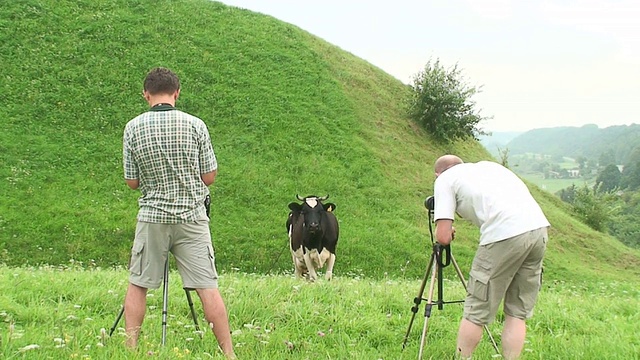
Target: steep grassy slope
{"type": "Point", "coordinates": [288, 114]}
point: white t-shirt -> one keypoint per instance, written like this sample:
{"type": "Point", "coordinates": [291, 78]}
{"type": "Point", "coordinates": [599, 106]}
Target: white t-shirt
{"type": "Point", "coordinates": [490, 196]}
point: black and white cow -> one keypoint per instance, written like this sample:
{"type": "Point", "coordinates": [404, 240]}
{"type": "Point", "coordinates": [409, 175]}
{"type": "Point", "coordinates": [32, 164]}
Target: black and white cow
{"type": "Point", "coordinates": [313, 236]}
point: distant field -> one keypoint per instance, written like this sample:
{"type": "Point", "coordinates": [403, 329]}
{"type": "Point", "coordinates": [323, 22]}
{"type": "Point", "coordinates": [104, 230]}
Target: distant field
{"type": "Point", "coordinates": [552, 185]}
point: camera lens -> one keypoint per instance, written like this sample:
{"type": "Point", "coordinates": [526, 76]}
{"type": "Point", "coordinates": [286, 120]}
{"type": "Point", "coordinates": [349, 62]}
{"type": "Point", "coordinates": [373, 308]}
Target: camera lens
{"type": "Point", "coordinates": [429, 203]}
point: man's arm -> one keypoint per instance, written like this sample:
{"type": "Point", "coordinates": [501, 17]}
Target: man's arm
{"type": "Point", "coordinates": [209, 178]}
{"type": "Point", "coordinates": [133, 183]}
{"type": "Point", "coordinates": [444, 231]}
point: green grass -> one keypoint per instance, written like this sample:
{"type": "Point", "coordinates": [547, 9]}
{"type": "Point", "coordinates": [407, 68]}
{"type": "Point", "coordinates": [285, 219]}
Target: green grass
{"type": "Point", "coordinates": [63, 310]}
{"type": "Point", "coordinates": [289, 114]}
{"type": "Point", "coordinates": [553, 185]}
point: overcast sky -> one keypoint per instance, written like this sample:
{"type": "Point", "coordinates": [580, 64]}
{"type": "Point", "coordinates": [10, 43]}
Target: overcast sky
{"type": "Point", "coordinates": [540, 63]}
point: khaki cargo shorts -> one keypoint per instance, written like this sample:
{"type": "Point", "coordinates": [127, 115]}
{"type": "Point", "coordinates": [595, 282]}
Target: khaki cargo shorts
{"type": "Point", "coordinates": [510, 268]}
{"type": "Point", "coordinates": [190, 244]}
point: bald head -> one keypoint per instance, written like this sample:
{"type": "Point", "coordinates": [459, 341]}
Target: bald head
{"type": "Point", "coordinates": [445, 162]}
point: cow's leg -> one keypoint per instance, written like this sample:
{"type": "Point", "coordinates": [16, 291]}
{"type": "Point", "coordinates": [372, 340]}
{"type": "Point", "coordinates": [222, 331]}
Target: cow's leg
{"type": "Point", "coordinates": [298, 265]}
{"type": "Point", "coordinates": [310, 268]}
{"type": "Point", "coordinates": [301, 269]}
{"type": "Point", "coordinates": [323, 257]}
{"type": "Point", "coordinates": [330, 262]}
{"type": "Point", "coordinates": [316, 260]}
{"type": "Point", "coordinates": [296, 268]}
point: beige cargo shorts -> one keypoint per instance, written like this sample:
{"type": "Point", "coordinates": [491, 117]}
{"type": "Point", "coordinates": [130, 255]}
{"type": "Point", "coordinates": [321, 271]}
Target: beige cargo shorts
{"type": "Point", "coordinates": [190, 243]}
{"type": "Point", "coordinates": [510, 268]}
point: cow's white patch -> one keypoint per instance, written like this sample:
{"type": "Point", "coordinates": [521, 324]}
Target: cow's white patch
{"type": "Point", "coordinates": [298, 260]}
{"type": "Point", "coordinates": [309, 262]}
{"type": "Point", "coordinates": [323, 257]}
{"type": "Point", "coordinates": [298, 253]}
{"type": "Point", "coordinates": [316, 258]}
{"type": "Point", "coordinates": [312, 202]}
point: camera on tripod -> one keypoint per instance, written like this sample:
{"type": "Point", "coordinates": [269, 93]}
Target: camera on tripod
{"type": "Point", "coordinates": [429, 203]}
{"type": "Point", "coordinates": [440, 258]}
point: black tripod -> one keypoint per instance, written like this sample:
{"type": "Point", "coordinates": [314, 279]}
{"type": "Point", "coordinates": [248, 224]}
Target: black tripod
{"type": "Point", "coordinates": [435, 268]}
{"type": "Point", "coordinates": [165, 306]}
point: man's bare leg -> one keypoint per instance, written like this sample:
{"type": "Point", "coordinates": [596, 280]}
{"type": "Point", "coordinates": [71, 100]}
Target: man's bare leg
{"type": "Point", "coordinates": [135, 305]}
{"type": "Point", "coordinates": [469, 335]}
{"type": "Point", "coordinates": [513, 335]}
{"type": "Point", "coordinates": [216, 314]}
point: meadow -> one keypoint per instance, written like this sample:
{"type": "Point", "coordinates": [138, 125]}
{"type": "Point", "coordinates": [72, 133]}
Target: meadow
{"type": "Point", "coordinates": [288, 114]}
{"type": "Point", "coordinates": [552, 185]}
{"type": "Point", "coordinates": [67, 312]}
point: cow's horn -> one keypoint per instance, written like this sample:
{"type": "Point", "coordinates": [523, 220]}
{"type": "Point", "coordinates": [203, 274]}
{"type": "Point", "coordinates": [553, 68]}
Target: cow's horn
{"type": "Point", "coordinates": [299, 198]}
{"type": "Point", "coordinates": [323, 198]}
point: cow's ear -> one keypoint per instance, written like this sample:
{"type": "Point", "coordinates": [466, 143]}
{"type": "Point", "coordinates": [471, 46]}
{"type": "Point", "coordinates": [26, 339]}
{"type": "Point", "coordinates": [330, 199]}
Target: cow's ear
{"type": "Point", "coordinates": [295, 206]}
{"type": "Point", "coordinates": [329, 207]}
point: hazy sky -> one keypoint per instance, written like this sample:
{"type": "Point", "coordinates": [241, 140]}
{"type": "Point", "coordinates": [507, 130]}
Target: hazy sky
{"type": "Point", "coordinates": [540, 63]}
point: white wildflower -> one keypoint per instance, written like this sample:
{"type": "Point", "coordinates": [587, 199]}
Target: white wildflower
{"type": "Point", "coordinates": [29, 347]}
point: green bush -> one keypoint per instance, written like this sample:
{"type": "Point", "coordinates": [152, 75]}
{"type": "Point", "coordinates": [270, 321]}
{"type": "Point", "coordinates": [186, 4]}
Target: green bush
{"type": "Point", "coordinates": [441, 102]}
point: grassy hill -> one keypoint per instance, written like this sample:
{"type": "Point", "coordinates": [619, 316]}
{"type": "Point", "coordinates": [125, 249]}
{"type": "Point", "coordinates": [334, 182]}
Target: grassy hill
{"type": "Point", "coordinates": [288, 114]}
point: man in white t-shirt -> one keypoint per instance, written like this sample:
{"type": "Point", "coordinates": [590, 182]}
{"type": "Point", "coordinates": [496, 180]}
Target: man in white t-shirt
{"type": "Point", "coordinates": [513, 240]}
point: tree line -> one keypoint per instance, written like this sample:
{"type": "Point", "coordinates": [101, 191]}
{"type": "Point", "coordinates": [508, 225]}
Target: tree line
{"type": "Point", "coordinates": [613, 144]}
{"type": "Point", "coordinates": [612, 203]}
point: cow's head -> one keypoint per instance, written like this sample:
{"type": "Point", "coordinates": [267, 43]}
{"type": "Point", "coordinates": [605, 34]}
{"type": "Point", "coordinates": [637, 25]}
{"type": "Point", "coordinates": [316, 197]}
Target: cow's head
{"type": "Point", "coordinates": [312, 209]}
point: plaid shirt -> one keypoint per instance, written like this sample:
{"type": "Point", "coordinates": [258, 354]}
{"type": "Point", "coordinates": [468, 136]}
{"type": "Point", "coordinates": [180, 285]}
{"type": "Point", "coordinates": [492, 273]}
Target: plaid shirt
{"type": "Point", "coordinates": [166, 150]}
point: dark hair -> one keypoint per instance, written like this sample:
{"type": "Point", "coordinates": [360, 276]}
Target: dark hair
{"type": "Point", "coordinates": [161, 81]}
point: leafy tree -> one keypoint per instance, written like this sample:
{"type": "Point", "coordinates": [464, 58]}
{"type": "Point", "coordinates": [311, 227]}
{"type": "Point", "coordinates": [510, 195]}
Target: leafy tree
{"type": "Point", "coordinates": [619, 215]}
{"type": "Point", "coordinates": [568, 194]}
{"type": "Point", "coordinates": [582, 163]}
{"type": "Point", "coordinates": [591, 208]}
{"type": "Point", "coordinates": [606, 158]}
{"type": "Point", "coordinates": [631, 171]}
{"type": "Point", "coordinates": [625, 224]}
{"type": "Point", "coordinates": [504, 156]}
{"type": "Point", "coordinates": [441, 102]}
{"type": "Point", "coordinates": [626, 228]}
{"type": "Point", "coordinates": [608, 179]}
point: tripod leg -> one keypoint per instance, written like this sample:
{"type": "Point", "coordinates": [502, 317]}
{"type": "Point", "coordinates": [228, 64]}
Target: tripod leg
{"type": "Point", "coordinates": [464, 284]}
{"type": "Point", "coordinates": [115, 324]}
{"type": "Point", "coordinates": [193, 312]}
{"type": "Point", "coordinates": [165, 301]}
{"type": "Point", "coordinates": [427, 310]}
{"type": "Point", "coordinates": [417, 300]}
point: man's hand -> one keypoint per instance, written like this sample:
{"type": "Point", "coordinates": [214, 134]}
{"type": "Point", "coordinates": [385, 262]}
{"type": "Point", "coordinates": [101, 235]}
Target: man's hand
{"type": "Point", "coordinates": [445, 231]}
{"type": "Point", "coordinates": [132, 183]}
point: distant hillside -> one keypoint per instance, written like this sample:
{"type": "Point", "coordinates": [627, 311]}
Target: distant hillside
{"type": "Point", "coordinates": [288, 114]}
{"type": "Point", "coordinates": [588, 141]}
{"type": "Point", "coordinates": [498, 140]}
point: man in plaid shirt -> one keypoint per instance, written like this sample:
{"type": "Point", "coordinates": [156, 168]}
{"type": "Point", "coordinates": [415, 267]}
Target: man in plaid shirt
{"type": "Point", "coordinates": [168, 156]}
